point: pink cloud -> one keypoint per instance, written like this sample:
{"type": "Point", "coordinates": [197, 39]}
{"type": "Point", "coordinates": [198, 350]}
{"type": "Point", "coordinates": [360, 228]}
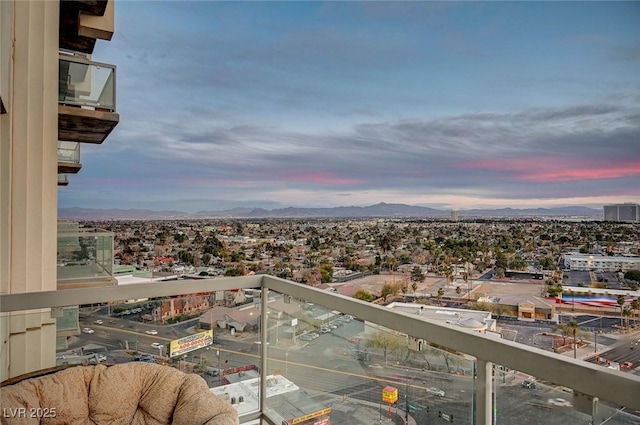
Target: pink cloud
{"type": "Point", "coordinates": [554, 169]}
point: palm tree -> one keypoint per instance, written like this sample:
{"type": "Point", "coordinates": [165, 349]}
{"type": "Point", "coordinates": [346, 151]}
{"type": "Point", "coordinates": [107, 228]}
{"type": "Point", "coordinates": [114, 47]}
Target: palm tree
{"type": "Point", "coordinates": [571, 329]}
{"type": "Point", "coordinates": [627, 312]}
{"type": "Point", "coordinates": [440, 293]}
{"type": "Point", "coordinates": [620, 302]}
{"type": "Point", "coordinates": [635, 305]}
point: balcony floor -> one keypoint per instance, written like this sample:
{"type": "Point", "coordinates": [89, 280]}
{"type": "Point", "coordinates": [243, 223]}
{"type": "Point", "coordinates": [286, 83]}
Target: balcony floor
{"type": "Point", "coordinates": [68, 167]}
{"type": "Point", "coordinates": [76, 124]}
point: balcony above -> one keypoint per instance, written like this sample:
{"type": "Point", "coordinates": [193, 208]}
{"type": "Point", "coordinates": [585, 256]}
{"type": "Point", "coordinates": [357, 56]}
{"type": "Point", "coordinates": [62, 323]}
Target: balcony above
{"type": "Point", "coordinates": [86, 100]}
{"type": "Point", "coordinates": [63, 180]}
{"type": "Point", "coordinates": [84, 21]}
{"type": "Point", "coordinates": [85, 257]}
{"type": "Point", "coordinates": [68, 157]}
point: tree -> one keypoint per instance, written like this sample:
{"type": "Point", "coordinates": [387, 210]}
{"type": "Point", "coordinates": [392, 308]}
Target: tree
{"type": "Point", "coordinates": [440, 293]}
{"type": "Point", "coordinates": [364, 295]}
{"type": "Point", "coordinates": [386, 341]}
{"type": "Point", "coordinates": [635, 305]}
{"type": "Point", "coordinates": [326, 272]}
{"type": "Point", "coordinates": [458, 290]}
{"type": "Point", "coordinates": [416, 276]}
{"type": "Point", "coordinates": [621, 302]}
{"type": "Point", "coordinates": [388, 289]}
{"type": "Point", "coordinates": [632, 275]}
{"type": "Point", "coordinates": [571, 329]}
{"type": "Point", "coordinates": [627, 312]}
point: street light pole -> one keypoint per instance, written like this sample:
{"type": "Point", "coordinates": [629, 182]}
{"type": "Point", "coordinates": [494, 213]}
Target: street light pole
{"type": "Point", "coordinates": [406, 400]}
{"type": "Point", "coordinates": [219, 364]}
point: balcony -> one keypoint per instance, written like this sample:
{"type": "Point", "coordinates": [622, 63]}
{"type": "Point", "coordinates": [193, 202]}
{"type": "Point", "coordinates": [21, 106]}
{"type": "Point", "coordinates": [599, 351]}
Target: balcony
{"type": "Point", "coordinates": [85, 257]}
{"type": "Point", "coordinates": [83, 21]}
{"type": "Point", "coordinates": [63, 180]}
{"type": "Point", "coordinates": [86, 100]}
{"type": "Point", "coordinates": [274, 369]}
{"type": "Point", "coordinates": [68, 157]}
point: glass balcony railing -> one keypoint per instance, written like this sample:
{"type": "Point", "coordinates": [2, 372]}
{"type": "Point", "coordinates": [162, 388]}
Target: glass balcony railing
{"type": "Point", "coordinates": [85, 256]}
{"type": "Point", "coordinates": [69, 152]}
{"type": "Point", "coordinates": [283, 352]}
{"type": "Point", "coordinates": [87, 84]}
{"type": "Point", "coordinates": [63, 179]}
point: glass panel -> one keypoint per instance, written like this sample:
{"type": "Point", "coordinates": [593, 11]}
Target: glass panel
{"type": "Point", "coordinates": [194, 333]}
{"type": "Point", "coordinates": [344, 370]}
{"type": "Point", "coordinates": [323, 366]}
{"type": "Point", "coordinates": [85, 255]}
{"type": "Point", "coordinates": [69, 152]}
{"type": "Point", "coordinates": [86, 84]}
{"type": "Point", "coordinates": [524, 399]}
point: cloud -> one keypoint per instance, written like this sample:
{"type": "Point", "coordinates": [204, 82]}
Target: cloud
{"type": "Point", "coordinates": [355, 103]}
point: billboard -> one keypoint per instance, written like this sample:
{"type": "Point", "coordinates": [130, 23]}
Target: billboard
{"type": "Point", "coordinates": [389, 394]}
{"type": "Point", "coordinates": [181, 346]}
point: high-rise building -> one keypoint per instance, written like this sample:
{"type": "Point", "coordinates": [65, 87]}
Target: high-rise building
{"type": "Point", "coordinates": [53, 97]}
{"type": "Point", "coordinates": [629, 213]}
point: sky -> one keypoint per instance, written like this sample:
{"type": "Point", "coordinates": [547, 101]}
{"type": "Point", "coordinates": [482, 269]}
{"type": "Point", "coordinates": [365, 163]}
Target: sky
{"type": "Point", "coordinates": [450, 105]}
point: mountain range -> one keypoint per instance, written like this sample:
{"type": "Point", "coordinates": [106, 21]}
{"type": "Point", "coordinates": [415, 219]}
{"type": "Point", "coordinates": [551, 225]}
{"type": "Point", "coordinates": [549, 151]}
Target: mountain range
{"type": "Point", "coordinates": [382, 210]}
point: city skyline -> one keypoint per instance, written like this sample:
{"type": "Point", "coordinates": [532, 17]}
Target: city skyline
{"type": "Point", "coordinates": [444, 105]}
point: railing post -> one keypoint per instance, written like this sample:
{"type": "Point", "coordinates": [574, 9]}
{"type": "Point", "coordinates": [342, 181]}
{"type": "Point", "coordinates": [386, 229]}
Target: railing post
{"type": "Point", "coordinates": [264, 295]}
{"type": "Point", "coordinates": [484, 392]}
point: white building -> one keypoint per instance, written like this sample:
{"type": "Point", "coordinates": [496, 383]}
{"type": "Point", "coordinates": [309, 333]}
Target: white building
{"type": "Point", "coordinates": [600, 263]}
{"type": "Point", "coordinates": [474, 320]}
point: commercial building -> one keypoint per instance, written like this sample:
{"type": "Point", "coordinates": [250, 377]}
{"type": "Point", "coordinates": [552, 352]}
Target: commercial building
{"type": "Point", "coordinates": [626, 213]}
{"type": "Point", "coordinates": [600, 263]}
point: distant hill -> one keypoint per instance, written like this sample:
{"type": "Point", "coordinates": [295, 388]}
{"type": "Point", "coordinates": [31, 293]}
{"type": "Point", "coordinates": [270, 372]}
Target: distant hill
{"type": "Point", "coordinates": [378, 210]}
{"type": "Point", "coordinates": [118, 214]}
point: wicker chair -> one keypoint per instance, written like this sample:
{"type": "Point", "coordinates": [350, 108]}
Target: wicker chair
{"type": "Point", "coordinates": [129, 393]}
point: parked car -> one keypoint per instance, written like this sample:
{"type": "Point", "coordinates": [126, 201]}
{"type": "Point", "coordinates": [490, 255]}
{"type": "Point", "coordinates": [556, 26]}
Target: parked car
{"type": "Point", "coordinates": [144, 358]}
{"type": "Point", "coordinates": [626, 365]}
{"type": "Point", "coordinates": [375, 366]}
{"type": "Point", "coordinates": [87, 330]}
{"type": "Point", "coordinates": [152, 332]}
{"type": "Point", "coordinates": [98, 322]}
{"type": "Point", "coordinates": [435, 391]}
{"type": "Point", "coordinates": [212, 372]}
{"type": "Point", "coordinates": [306, 337]}
{"type": "Point", "coordinates": [528, 383]}
{"type": "Point", "coordinates": [559, 402]}
{"type": "Point", "coordinates": [101, 358]}
{"type": "Point", "coordinates": [156, 345]}
{"type": "Point", "coordinates": [325, 330]}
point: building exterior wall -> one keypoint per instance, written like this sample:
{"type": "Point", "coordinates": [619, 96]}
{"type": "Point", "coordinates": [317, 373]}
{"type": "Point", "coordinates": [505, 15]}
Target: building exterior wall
{"type": "Point", "coordinates": [622, 212]}
{"type": "Point", "coordinates": [582, 262]}
{"type": "Point", "coordinates": [29, 75]}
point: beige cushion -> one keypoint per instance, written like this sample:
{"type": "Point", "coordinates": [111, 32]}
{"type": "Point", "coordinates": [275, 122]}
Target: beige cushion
{"type": "Point", "coordinates": [130, 393]}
